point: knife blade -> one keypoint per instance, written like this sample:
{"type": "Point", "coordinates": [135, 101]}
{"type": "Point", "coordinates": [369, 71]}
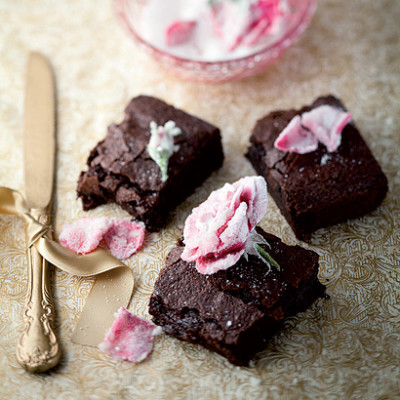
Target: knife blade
{"type": "Point", "coordinates": [38, 349]}
{"type": "Point", "coordinates": [39, 132]}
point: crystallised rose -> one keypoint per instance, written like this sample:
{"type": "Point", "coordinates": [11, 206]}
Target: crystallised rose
{"type": "Point", "coordinates": [217, 232]}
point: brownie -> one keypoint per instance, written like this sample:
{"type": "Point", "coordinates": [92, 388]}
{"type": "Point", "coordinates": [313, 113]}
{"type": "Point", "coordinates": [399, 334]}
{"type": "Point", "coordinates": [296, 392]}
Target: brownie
{"type": "Point", "coordinates": [234, 312]}
{"type": "Point", "coordinates": [317, 189]}
{"type": "Point", "coordinates": [120, 169]}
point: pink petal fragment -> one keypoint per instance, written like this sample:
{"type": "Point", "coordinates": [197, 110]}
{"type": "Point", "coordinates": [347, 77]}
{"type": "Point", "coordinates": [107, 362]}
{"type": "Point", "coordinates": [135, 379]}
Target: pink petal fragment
{"type": "Point", "coordinates": [267, 14]}
{"type": "Point", "coordinates": [254, 194]}
{"type": "Point", "coordinates": [84, 236]}
{"type": "Point", "coordinates": [124, 238]}
{"type": "Point", "coordinates": [209, 266]}
{"type": "Point", "coordinates": [327, 123]}
{"type": "Point", "coordinates": [256, 32]}
{"type": "Point", "coordinates": [228, 24]}
{"type": "Point", "coordinates": [216, 232]}
{"type": "Point", "coordinates": [246, 22]}
{"type": "Point", "coordinates": [130, 338]}
{"type": "Point", "coordinates": [180, 32]}
{"type": "Point", "coordinates": [296, 139]}
{"type": "Point", "coordinates": [236, 230]}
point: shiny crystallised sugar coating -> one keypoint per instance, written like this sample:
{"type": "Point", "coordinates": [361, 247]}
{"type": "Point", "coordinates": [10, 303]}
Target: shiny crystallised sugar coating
{"type": "Point", "coordinates": [122, 237]}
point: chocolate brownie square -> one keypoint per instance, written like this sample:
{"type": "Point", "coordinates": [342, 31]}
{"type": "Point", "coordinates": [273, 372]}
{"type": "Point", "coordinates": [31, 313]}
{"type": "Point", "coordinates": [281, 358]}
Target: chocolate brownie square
{"type": "Point", "coordinates": [320, 188]}
{"type": "Point", "coordinates": [234, 312]}
{"type": "Point", "coordinates": [121, 170]}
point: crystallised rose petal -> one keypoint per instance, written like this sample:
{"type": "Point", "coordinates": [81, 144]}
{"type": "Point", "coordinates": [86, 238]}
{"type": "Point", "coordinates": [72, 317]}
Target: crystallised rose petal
{"type": "Point", "coordinates": [296, 139]}
{"type": "Point", "coordinates": [230, 21]}
{"type": "Point", "coordinates": [237, 230]}
{"type": "Point", "coordinates": [180, 32]}
{"type": "Point", "coordinates": [267, 12]}
{"type": "Point", "coordinates": [257, 32]}
{"type": "Point", "coordinates": [84, 236]}
{"type": "Point", "coordinates": [202, 227]}
{"type": "Point", "coordinates": [210, 266]}
{"type": "Point", "coordinates": [124, 238]}
{"type": "Point", "coordinates": [244, 22]}
{"type": "Point", "coordinates": [198, 238]}
{"type": "Point", "coordinates": [327, 123]}
{"type": "Point", "coordinates": [130, 338]}
{"type": "Point", "coordinates": [254, 193]}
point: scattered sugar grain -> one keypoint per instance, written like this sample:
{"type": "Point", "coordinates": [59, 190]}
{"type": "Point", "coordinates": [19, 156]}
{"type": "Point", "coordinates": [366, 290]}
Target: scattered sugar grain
{"type": "Point", "coordinates": [254, 381]}
{"type": "Point", "coordinates": [325, 159]}
{"type": "Point", "coordinates": [157, 330]}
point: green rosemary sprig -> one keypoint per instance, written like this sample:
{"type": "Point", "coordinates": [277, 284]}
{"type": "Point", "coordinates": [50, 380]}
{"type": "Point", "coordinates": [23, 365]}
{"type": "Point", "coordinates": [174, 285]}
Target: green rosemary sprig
{"type": "Point", "coordinates": [253, 247]}
{"type": "Point", "coordinates": [267, 257]}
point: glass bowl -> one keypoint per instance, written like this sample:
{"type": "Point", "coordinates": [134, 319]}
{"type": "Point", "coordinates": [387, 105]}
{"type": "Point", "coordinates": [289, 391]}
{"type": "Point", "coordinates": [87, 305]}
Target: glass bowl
{"type": "Point", "coordinates": [129, 13]}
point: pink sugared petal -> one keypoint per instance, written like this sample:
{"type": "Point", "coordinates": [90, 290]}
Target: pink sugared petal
{"type": "Point", "coordinates": [254, 194]}
{"type": "Point", "coordinates": [205, 223]}
{"type": "Point", "coordinates": [237, 229]}
{"type": "Point", "coordinates": [269, 9]}
{"type": "Point", "coordinates": [327, 123]}
{"type": "Point", "coordinates": [245, 23]}
{"type": "Point", "coordinates": [267, 13]}
{"type": "Point", "coordinates": [211, 265]}
{"type": "Point", "coordinates": [130, 338]}
{"type": "Point", "coordinates": [124, 238]}
{"type": "Point", "coordinates": [180, 32]}
{"type": "Point", "coordinates": [231, 21]}
{"type": "Point", "coordinates": [296, 139]}
{"type": "Point", "coordinates": [84, 236]}
{"type": "Point", "coordinates": [257, 32]}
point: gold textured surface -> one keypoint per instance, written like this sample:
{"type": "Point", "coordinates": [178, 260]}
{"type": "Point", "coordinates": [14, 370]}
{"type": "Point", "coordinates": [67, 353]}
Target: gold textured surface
{"type": "Point", "coordinates": [347, 347]}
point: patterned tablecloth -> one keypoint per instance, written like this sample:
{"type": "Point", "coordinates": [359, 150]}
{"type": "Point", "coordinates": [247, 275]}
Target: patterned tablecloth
{"type": "Point", "coordinates": [347, 347]}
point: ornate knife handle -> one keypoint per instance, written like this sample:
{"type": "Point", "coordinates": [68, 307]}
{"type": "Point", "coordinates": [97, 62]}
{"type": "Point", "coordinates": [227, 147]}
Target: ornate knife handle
{"type": "Point", "coordinates": [38, 349]}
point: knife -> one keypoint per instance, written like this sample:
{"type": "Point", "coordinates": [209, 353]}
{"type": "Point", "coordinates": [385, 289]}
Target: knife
{"type": "Point", "coordinates": [38, 349]}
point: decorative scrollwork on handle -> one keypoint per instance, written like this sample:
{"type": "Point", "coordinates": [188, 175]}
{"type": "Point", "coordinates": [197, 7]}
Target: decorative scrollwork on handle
{"type": "Point", "coordinates": [38, 349]}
